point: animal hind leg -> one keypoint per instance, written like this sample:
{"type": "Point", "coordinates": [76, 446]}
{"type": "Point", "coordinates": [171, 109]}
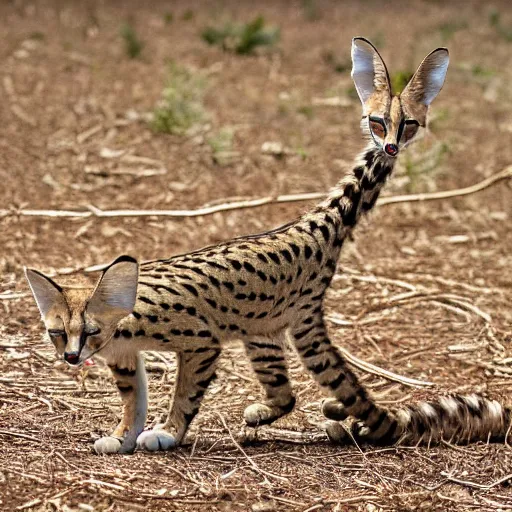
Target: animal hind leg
{"type": "Point", "coordinates": [331, 372]}
{"type": "Point", "coordinates": [269, 363]}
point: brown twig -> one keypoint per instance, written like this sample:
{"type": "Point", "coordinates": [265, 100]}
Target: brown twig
{"type": "Point", "coordinates": [242, 451]}
{"type": "Point", "coordinates": [93, 211]}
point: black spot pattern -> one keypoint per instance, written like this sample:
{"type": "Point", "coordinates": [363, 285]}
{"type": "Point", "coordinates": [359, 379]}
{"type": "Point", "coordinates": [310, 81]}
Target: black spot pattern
{"type": "Point", "coordinates": [191, 289]}
{"type": "Point", "coordinates": [249, 267]}
{"type": "Point", "coordinates": [287, 255]}
{"type": "Point", "coordinates": [274, 257]}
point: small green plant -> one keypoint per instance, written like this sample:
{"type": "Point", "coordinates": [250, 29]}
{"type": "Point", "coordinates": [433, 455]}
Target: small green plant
{"type": "Point", "coordinates": [132, 44]}
{"type": "Point", "coordinates": [222, 146]}
{"type": "Point", "coordinates": [495, 21]}
{"type": "Point", "coordinates": [307, 111]}
{"type": "Point", "coordinates": [399, 80]}
{"type": "Point", "coordinates": [481, 72]}
{"type": "Point", "coordinates": [449, 28]}
{"type": "Point", "coordinates": [181, 106]}
{"type": "Point", "coordinates": [302, 152]}
{"type": "Point", "coordinates": [188, 15]}
{"type": "Point", "coordinates": [168, 18]}
{"type": "Point", "coordinates": [222, 140]}
{"type": "Point", "coordinates": [242, 38]}
{"type": "Point", "coordinates": [494, 18]}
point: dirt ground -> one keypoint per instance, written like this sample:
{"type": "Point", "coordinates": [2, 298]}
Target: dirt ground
{"type": "Point", "coordinates": [423, 291]}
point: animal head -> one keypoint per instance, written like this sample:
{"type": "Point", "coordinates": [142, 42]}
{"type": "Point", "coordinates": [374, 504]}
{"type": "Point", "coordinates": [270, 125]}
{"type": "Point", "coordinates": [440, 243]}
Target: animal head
{"type": "Point", "coordinates": [81, 321]}
{"type": "Point", "coordinates": [393, 121]}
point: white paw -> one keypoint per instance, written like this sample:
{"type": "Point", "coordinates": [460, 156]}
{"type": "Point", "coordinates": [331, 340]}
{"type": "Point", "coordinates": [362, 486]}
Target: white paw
{"type": "Point", "coordinates": [107, 444]}
{"type": "Point", "coordinates": [156, 440]}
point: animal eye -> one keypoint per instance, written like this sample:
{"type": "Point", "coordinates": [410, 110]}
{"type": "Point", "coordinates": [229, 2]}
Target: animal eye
{"type": "Point", "coordinates": [56, 333]}
{"type": "Point", "coordinates": [92, 331]}
{"type": "Point", "coordinates": [410, 130]}
{"type": "Point", "coordinates": [377, 128]}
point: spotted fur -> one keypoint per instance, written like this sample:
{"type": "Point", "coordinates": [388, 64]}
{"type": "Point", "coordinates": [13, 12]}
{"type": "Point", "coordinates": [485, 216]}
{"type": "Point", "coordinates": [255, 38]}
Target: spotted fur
{"type": "Point", "coordinates": [455, 419]}
{"type": "Point", "coordinates": [262, 289]}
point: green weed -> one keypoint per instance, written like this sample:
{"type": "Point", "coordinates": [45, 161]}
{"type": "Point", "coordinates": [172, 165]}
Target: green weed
{"type": "Point", "coordinates": [481, 72]}
{"type": "Point", "coordinates": [132, 44]}
{"type": "Point", "coordinates": [495, 21]}
{"type": "Point", "coordinates": [188, 15]}
{"type": "Point", "coordinates": [242, 38]}
{"type": "Point", "coordinates": [181, 106]}
{"type": "Point", "coordinates": [399, 80]}
{"type": "Point", "coordinates": [221, 144]}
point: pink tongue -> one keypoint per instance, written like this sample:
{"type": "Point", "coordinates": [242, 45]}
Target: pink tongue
{"type": "Point", "coordinates": [89, 362]}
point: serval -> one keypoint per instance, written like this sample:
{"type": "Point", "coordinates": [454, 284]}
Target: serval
{"type": "Point", "coordinates": [262, 289]}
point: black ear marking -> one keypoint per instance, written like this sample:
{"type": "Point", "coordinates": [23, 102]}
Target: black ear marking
{"type": "Point", "coordinates": [51, 281]}
{"type": "Point", "coordinates": [121, 259]}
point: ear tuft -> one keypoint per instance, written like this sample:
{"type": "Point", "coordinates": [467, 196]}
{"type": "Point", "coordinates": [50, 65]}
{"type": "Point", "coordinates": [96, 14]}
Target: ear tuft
{"type": "Point", "coordinates": [368, 69]}
{"type": "Point", "coordinates": [47, 292]}
{"type": "Point", "coordinates": [117, 288]}
{"type": "Point", "coordinates": [429, 78]}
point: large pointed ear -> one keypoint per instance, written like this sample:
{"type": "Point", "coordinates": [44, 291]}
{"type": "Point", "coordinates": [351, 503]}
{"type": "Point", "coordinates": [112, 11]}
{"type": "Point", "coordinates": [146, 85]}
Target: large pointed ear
{"type": "Point", "coordinates": [428, 80]}
{"type": "Point", "coordinates": [46, 292]}
{"type": "Point", "coordinates": [368, 69]}
{"type": "Point", "coordinates": [116, 290]}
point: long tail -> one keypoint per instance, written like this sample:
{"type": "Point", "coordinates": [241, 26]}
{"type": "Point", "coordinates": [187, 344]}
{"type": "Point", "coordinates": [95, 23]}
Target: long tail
{"type": "Point", "coordinates": [455, 419]}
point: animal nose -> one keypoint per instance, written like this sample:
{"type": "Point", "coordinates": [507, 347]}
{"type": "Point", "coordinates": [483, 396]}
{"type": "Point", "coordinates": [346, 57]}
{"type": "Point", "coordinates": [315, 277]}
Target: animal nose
{"type": "Point", "coordinates": [71, 357]}
{"type": "Point", "coordinates": [391, 149]}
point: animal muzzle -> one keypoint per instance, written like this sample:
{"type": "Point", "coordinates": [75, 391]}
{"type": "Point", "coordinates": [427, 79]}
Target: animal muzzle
{"type": "Point", "coordinates": [72, 357]}
{"type": "Point", "coordinates": [391, 149]}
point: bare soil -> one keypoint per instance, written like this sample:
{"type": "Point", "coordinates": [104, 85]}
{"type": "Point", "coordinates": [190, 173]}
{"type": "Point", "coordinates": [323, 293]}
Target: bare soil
{"type": "Point", "coordinates": [71, 98]}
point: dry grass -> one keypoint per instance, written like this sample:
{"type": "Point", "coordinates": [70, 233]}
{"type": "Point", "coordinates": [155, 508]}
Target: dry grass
{"type": "Point", "coordinates": [424, 291]}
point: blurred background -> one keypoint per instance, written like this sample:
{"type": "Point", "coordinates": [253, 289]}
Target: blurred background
{"type": "Point", "coordinates": [176, 105]}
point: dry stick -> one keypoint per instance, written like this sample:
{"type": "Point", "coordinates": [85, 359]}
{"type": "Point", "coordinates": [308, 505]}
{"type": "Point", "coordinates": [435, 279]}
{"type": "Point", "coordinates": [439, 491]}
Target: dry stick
{"type": "Point", "coordinates": [19, 434]}
{"type": "Point", "coordinates": [242, 451]}
{"type": "Point", "coordinates": [253, 203]}
{"type": "Point", "coordinates": [476, 485]}
{"type": "Point", "coordinates": [376, 370]}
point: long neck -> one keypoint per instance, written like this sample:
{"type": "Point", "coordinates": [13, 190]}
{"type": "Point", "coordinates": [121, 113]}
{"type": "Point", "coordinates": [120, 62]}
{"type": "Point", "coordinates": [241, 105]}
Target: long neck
{"type": "Point", "coordinates": [355, 194]}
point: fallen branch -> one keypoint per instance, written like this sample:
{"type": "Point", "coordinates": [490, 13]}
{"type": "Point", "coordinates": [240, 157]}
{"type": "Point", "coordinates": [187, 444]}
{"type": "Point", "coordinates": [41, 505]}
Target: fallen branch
{"type": "Point", "coordinates": [249, 459]}
{"type": "Point", "coordinates": [93, 211]}
{"type": "Point", "coordinates": [381, 372]}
